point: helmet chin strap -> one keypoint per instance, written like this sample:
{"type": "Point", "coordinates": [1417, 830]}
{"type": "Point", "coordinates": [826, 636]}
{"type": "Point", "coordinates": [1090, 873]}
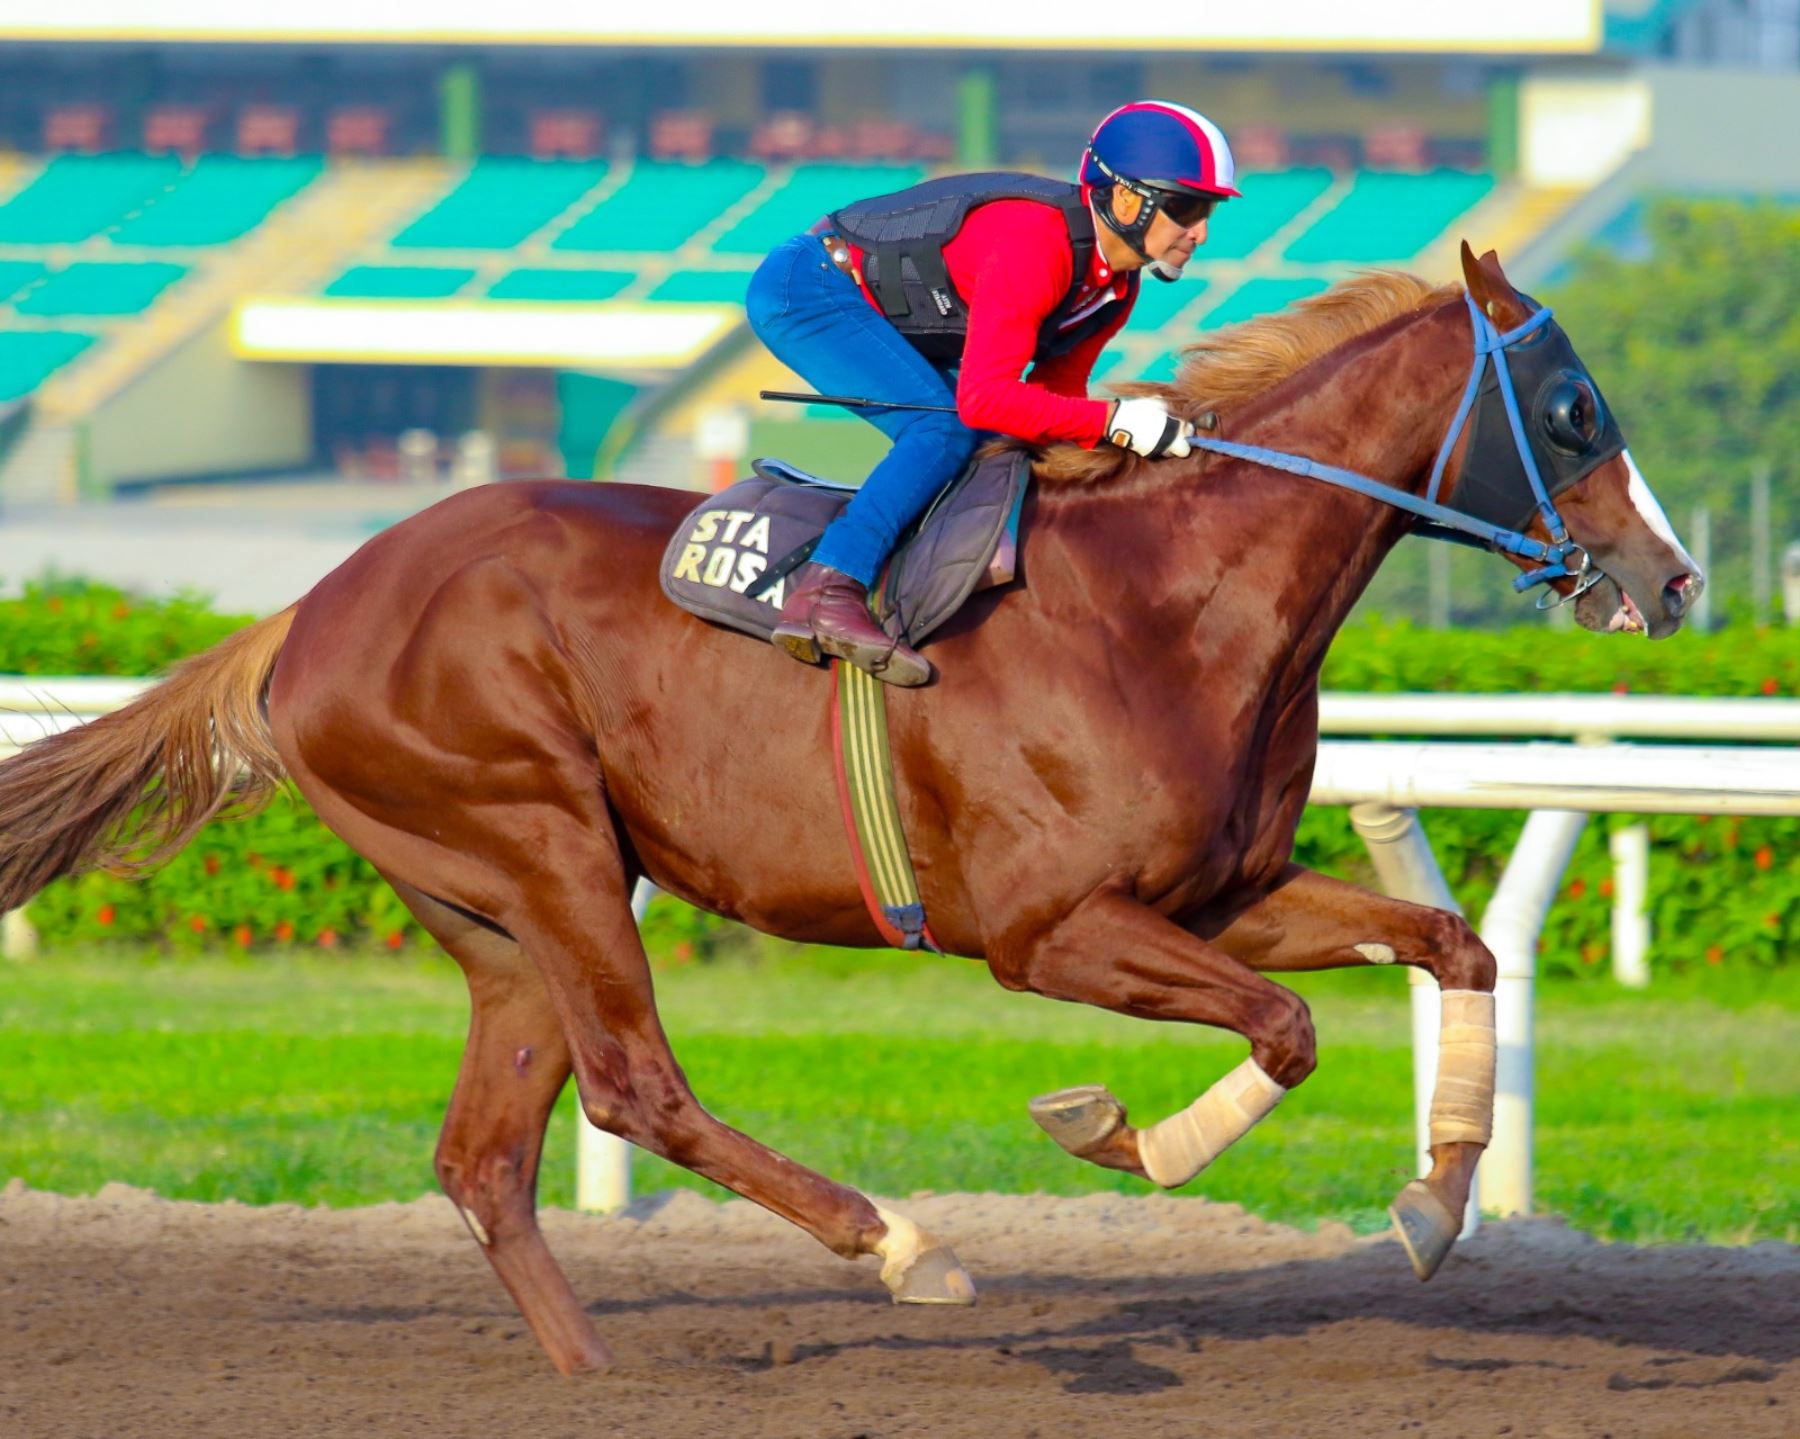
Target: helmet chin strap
{"type": "Point", "coordinates": [1139, 200]}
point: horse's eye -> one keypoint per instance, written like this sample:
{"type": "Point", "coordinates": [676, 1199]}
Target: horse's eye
{"type": "Point", "coordinates": [1572, 414]}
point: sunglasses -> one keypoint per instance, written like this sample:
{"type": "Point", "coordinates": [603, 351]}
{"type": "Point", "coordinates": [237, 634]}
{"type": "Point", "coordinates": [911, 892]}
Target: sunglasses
{"type": "Point", "coordinates": [1185, 208]}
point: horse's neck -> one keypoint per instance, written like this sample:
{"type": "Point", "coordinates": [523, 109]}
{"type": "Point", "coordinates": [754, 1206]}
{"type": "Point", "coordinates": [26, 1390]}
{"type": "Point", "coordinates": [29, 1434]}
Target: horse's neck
{"type": "Point", "coordinates": [1277, 559]}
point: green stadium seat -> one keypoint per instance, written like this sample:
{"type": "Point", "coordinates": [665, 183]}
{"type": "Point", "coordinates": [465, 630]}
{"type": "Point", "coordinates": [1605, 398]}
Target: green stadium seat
{"type": "Point", "coordinates": [1259, 297]}
{"type": "Point", "coordinates": [660, 206]}
{"type": "Point", "coordinates": [591, 405]}
{"type": "Point", "coordinates": [399, 282]}
{"type": "Point", "coordinates": [530, 284]}
{"type": "Point", "coordinates": [500, 204]}
{"type": "Point", "coordinates": [809, 192]}
{"type": "Point", "coordinates": [715, 287]}
{"type": "Point", "coordinates": [75, 197]}
{"type": "Point", "coordinates": [1389, 217]}
{"type": "Point", "coordinates": [1108, 361]}
{"type": "Point", "coordinates": [1158, 303]}
{"type": "Point", "coordinates": [29, 357]}
{"type": "Point", "coordinates": [15, 275]}
{"type": "Point", "coordinates": [221, 199]}
{"type": "Point", "coordinates": [1162, 369]}
{"type": "Point", "coordinates": [100, 288]}
{"type": "Point", "coordinates": [1269, 201]}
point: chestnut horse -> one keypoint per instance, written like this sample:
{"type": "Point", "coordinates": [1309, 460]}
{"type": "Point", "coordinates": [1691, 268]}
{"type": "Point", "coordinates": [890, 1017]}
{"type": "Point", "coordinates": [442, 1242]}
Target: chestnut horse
{"type": "Point", "coordinates": [494, 704]}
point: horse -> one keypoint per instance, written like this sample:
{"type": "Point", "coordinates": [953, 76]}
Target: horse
{"type": "Point", "coordinates": [492, 703]}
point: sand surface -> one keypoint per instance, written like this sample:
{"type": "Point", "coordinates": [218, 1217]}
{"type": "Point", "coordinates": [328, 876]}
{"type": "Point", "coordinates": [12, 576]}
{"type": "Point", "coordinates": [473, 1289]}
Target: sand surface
{"type": "Point", "coordinates": [126, 1315]}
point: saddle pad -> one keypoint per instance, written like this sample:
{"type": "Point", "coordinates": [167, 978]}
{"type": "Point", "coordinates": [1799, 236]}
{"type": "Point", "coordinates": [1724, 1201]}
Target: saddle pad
{"type": "Point", "coordinates": [964, 542]}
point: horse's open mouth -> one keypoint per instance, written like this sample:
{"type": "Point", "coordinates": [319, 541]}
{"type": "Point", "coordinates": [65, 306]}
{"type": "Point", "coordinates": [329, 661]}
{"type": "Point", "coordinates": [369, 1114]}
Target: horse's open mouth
{"type": "Point", "coordinates": [1627, 618]}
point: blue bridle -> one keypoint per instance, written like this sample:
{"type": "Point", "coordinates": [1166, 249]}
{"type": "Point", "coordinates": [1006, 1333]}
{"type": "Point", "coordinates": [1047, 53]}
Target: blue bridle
{"type": "Point", "coordinates": [1553, 560]}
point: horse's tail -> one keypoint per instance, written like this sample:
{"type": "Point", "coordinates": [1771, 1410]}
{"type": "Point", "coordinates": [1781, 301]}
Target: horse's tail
{"type": "Point", "coordinates": [125, 791]}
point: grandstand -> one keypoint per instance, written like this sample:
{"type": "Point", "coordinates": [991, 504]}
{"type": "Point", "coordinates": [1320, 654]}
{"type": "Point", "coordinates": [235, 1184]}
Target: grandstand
{"type": "Point", "coordinates": [560, 233]}
{"type": "Point", "coordinates": [553, 247]}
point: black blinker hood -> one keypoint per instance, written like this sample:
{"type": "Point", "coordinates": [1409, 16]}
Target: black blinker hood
{"type": "Point", "coordinates": [1493, 485]}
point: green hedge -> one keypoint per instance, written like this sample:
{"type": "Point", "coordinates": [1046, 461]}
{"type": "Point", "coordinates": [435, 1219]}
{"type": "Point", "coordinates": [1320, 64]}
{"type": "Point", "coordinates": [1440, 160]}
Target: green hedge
{"type": "Point", "coordinates": [1723, 891]}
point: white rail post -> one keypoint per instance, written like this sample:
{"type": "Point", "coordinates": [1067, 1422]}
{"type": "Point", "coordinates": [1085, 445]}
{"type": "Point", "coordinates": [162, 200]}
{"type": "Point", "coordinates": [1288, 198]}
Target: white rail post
{"type": "Point", "coordinates": [1630, 846]}
{"type": "Point", "coordinates": [1408, 869]}
{"type": "Point", "coordinates": [18, 936]}
{"type": "Point", "coordinates": [602, 1160]}
{"type": "Point", "coordinates": [1510, 928]}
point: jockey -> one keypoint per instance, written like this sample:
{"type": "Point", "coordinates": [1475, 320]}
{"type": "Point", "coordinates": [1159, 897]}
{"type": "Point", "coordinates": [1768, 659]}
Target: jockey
{"type": "Point", "coordinates": [943, 294]}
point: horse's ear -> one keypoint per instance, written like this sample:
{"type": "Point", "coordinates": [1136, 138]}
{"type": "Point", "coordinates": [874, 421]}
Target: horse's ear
{"type": "Point", "coordinates": [1491, 289]}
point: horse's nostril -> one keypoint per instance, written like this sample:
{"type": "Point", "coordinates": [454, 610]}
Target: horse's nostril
{"type": "Point", "coordinates": [1680, 593]}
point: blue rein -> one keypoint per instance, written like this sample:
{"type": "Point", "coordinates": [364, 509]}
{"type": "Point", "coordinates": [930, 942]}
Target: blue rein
{"type": "Point", "coordinates": [1442, 522]}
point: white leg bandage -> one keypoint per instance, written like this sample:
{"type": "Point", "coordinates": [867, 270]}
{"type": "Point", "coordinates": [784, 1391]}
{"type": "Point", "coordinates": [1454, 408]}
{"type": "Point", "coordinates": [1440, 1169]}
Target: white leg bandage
{"type": "Point", "coordinates": [1462, 1104]}
{"type": "Point", "coordinates": [899, 1247]}
{"type": "Point", "coordinates": [1177, 1149]}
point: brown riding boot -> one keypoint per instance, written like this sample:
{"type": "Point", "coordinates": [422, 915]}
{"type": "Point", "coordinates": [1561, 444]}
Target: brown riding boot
{"type": "Point", "coordinates": [828, 611]}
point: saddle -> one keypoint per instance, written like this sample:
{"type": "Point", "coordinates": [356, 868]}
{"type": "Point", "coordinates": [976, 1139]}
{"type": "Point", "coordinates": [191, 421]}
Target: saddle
{"type": "Point", "coordinates": [729, 560]}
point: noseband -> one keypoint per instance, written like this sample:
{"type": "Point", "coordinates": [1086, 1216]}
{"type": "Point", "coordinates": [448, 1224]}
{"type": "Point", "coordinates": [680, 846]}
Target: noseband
{"type": "Point", "coordinates": [1560, 558]}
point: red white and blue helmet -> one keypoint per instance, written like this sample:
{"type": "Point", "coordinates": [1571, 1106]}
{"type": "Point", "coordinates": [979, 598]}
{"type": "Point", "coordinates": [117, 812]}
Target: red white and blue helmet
{"type": "Point", "coordinates": [1160, 145]}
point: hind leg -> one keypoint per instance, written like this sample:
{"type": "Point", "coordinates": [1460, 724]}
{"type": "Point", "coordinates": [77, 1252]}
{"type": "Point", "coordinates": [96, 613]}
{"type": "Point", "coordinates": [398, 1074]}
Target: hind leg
{"type": "Point", "coordinates": [576, 921]}
{"type": "Point", "coordinates": [513, 1068]}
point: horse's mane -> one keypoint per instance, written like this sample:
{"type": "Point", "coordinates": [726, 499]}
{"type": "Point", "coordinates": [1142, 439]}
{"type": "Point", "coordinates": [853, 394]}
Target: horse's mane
{"type": "Point", "coordinates": [1237, 364]}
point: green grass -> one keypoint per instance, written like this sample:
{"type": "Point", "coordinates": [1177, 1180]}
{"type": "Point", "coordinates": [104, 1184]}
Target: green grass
{"type": "Point", "coordinates": [1666, 1116]}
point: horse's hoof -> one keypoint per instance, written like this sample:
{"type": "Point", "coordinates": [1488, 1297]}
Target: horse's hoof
{"type": "Point", "coordinates": [935, 1277]}
{"type": "Point", "coordinates": [1425, 1227]}
{"type": "Point", "coordinates": [1079, 1119]}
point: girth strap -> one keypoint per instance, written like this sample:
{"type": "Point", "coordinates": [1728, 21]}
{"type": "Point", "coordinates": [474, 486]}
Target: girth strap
{"type": "Point", "coordinates": [864, 769]}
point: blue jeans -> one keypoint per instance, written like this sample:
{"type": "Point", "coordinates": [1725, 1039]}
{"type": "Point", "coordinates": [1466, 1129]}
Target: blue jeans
{"type": "Point", "coordinates": [817, 323]}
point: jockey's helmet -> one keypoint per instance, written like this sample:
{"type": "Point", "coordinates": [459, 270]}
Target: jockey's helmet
{"type": "Point", "coordinates": [1170, 158]}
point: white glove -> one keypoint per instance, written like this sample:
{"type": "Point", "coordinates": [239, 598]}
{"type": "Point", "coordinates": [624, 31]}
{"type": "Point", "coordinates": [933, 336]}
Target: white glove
{"type": "Point", "coordinates": [1146, 427]}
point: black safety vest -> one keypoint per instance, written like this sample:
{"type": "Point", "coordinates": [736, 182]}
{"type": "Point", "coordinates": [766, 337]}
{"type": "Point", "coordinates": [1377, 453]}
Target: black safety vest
{"type": "Point", "coordinates": [902, 237]}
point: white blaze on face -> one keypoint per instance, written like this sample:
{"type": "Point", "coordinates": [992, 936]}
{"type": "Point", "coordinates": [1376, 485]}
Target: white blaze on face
{"type": "Point", "coordinates": [1646, 504]}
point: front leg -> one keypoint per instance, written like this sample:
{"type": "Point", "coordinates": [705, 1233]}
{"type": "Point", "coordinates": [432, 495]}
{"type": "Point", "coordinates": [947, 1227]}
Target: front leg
{"type": "Point", "coordinates": [1311, 921]}
{"type": "Point", "coordinates": [1116, 953]}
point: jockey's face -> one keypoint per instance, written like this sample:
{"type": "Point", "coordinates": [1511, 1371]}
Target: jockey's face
{"type": "Point", "coordinates": [1168, 241]}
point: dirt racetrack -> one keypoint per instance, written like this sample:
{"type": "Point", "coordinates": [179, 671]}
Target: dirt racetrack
{"type": "Point", "coordinates": [127, 1315]}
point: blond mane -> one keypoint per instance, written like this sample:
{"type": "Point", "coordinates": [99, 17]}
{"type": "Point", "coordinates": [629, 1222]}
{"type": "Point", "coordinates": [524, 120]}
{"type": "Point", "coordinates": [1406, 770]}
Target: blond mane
{"type": "Point", "coordinates": [1225, 370]}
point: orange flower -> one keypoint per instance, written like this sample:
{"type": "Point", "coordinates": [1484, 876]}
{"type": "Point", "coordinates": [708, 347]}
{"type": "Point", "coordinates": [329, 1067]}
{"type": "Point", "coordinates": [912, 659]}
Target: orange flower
{"type": "Point", "coordinates": [395, 940]}
{"type": "Point", "coordinates": [1577, 888]}
{"type": "Point", "coordinates": [284, 931]}
{"type": "Point", "coordinates": [197, 923]}
{"type": "Point", "coordinates": [328, 939]}
{"type": "Point", "coordinates": [211, 864]}
{"type": "Point", "coordinates": [1765, 857]}
{"type": "Point", "coordinates": [242, 935]}
{"type": "Point", "coordinates": [121, 610]}
{"type": "Point", "coordinates": [106, 914]}
{"type": "Point", "coordinates": [1769, 686]}
{"type": "Point", "coordinates": [1714, 955]}
{"type": "Point", "coordinates": [1606, 887]}
{"type": "Point", "coordinates": [284, 878]}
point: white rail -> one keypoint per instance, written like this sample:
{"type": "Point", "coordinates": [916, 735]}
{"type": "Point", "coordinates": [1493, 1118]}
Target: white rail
{"type": "Point", "coordinates": [1540, 716]}
{"type": "Point", "coordinates": [1595, 778]}
{"type": "Point", "coordinates": [1560, 716]}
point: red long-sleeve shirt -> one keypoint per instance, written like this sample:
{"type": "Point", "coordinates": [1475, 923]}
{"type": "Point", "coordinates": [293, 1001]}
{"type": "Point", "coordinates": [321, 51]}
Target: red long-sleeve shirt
{"type": "Point", "coordinates": [1012, 265]}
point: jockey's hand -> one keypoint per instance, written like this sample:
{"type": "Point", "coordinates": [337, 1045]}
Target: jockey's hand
{"type": "Point", "coordinates": [1146, 427]}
